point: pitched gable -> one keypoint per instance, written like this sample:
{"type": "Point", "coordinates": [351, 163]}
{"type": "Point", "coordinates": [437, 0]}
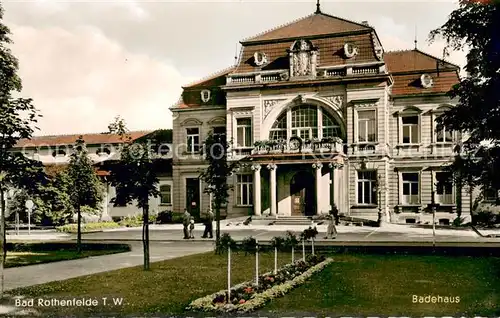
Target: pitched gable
{"type": "Point", "coordinates": [311, 25]}
{"type": "Point", "coordinates": [414, 60]}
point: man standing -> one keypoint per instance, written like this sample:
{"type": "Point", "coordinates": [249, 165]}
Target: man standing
{"type": "Point", "coordinates": [331, 231]}
{"type": "Point", "coordinates": [209, 224]}
{"type": "Point", "coordinates": [186, 218]}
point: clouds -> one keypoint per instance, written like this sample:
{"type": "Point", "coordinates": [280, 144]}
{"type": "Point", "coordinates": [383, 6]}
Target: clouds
{"type": "Point", "coordinates": [81, 79]}
{"type": "Point", "coordinates": [86, 62]}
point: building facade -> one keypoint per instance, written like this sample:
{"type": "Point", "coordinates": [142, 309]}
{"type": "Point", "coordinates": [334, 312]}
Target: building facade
{"type": "Point", "coordinates": [103, 148]}
{"type": "Point", "coordinates": [318, 114]}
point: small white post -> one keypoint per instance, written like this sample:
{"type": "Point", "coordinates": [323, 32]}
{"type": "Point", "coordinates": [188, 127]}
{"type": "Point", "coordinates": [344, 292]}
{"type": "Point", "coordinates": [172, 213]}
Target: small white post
{"type": "Point", "coordinates": [303, 249]}
{"type": "Point", "coordinates": [275, 260]}
{"type": "Point", "coordinates": [257, 263]}
{"type": "Point", "coordinates": [293, 258]}
{"type": "Point", "coordinates": [29, 221]}
{"type": "Point", "coordinates": [229, 274]}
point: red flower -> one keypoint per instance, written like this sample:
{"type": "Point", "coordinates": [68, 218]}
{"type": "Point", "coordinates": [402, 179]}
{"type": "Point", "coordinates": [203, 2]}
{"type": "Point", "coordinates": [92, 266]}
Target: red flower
{"type": "Point", "coordinates": [242, 301]}
{"type": "Point", "coordinates": [248, 290]}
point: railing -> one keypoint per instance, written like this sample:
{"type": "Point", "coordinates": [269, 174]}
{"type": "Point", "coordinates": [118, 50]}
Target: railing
{"type": "Point", "coordinates": [306, 147]}
{"type": "Point", "coordinates": [335, 72]}
{"type": "Point", "coordinates": [283, 75]}
{"type": "Point", "coordinates": [365, 70]}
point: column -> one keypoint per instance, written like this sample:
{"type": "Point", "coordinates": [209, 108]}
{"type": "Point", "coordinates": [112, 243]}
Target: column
{"type": "Point", "coordinates": [256, 190]}
{"type": "Point", "coordinates": [272, 184]}
{"type": "Point", "coordinates": [318, 166]}
{"type": "Point", "coordinates": [332, 167]}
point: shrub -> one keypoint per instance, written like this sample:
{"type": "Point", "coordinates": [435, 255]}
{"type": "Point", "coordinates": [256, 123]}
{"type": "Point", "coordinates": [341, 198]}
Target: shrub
{"type": "Point", "coordinates": [278, 242]}
{"type": "Point", "coordinates": [485, 218]}
{"type": "Point", "coordinates": [291, 240]}
{"type": "Point", "coordinates": [132, 221]}
{"type": "Point", "coordinates": [87, 227]}
{"type": "Point", "coordinates": [224, 243]}
{"type": "Point", "coordinates": [249, 245]}
{"type": "Point", "coordinates": [309, 233]}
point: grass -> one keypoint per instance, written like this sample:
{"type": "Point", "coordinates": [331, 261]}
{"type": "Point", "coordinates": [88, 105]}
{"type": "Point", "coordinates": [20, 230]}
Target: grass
{"type": "Point", "coordinates": [167, 288]}
{"type": "Point", "coordinates": [385, 285]}
{"type": "Point", "coordinates": [354, 284]}
{"type": "Point", "coordinates": [16, 259]}
{"type": "Point", "coordinates": [23, 254]}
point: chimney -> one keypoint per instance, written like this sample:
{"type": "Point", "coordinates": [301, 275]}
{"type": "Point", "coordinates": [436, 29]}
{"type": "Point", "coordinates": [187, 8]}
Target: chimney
{"type": "Point", "coordinates": [365, 23]}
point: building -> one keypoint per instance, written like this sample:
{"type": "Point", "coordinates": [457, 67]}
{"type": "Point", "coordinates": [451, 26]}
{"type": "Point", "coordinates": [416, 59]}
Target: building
{"type": "Point", "coordinates": [103, 148]}
{"type": "Point", "coordinates": [319, 114]}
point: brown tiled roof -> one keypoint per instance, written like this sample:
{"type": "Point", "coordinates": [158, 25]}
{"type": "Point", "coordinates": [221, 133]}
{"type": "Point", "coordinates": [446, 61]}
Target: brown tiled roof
{"type": "Point", "coordinates": [330, 53]}
{"type": "Point", "coordinates": [409, 84]}
{"type": "Point", "coordinates": [413, 60]}
{"type": "Point", "coordinates": [211, 80]}
{"type": "Point", "coordinates": [311, 25]}
{"type": "Point", "coordinates": [53, 169]}
{"type": "Point", "coordinates": [90, 139]}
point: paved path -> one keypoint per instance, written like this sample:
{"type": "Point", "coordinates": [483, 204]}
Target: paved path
{"type": "Point", "coordinates": [43, 273]}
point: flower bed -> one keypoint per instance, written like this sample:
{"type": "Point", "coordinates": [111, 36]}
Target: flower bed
{"type": "Point", "coordinates": [248, 296]}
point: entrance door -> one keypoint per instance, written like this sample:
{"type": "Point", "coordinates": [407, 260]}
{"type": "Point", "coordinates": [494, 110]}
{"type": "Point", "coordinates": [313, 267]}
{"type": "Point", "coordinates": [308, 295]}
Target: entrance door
{"type": "Point", "coordinates": [299, 202]}
{"type": "Point", "coordinates": [193, 196]}
{"type": "Point", "coordinates": [302, 190]}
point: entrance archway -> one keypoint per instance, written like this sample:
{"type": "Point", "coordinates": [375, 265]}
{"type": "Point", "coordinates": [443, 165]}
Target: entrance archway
{"type": "Point", "coordinates": [302, 192]}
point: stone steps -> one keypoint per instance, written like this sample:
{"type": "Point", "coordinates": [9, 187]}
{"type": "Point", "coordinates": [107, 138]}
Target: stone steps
{"type": "Point", "coordinates": [293, 220]}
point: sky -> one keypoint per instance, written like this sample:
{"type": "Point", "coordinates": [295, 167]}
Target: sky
{"type": "Point", "coordinates": [86, 62]}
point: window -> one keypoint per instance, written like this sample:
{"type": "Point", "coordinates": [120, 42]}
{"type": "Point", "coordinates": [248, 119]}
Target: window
{"type": "Point", "coordinates": [166, 194]}
{"type": "Point", "coordinates": [444, 188]}
{"type": "Point", "coordinates": [244, 189]}
{"type": "Point", "coordinates": [244, 132]}
{"type": "Point", "coordinates": [411, 187]}
{"type": "Point", "coordinates": [490, 194]}
{"type": "Point", "coordinates": [193, 139]}
{"type": "Point", "coordinates": [220, 131]}
{"type": "Point", "coordinates": [443, 135]}
{"type": "Point", "coordinates": [367, 191]}
{"type": "Point", "coordinates": [366, 126]}
{"type": "Point", "coordinates": [306, 122]}
{"type": "Point", "coordinates": [410, 129]}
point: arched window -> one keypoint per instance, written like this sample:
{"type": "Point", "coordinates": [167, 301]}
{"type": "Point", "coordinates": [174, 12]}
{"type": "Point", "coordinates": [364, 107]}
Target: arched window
{"type": "Point", "coordinates": [306, 122]}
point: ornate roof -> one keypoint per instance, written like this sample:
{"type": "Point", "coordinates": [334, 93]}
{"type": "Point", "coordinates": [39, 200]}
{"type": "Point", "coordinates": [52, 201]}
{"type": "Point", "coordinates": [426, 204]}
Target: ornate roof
{"type": "Point", "coordinates": [312, 25]}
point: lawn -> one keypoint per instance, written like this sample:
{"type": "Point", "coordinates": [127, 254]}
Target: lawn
{"type": "Point", "coordinates": [22, 254]}
{"type": "Point", "coordinates": [385, 285]}
{"type": "Point", "coordinates": [15, 259]}
{"type": "Point", "coordinates": [354, 284]}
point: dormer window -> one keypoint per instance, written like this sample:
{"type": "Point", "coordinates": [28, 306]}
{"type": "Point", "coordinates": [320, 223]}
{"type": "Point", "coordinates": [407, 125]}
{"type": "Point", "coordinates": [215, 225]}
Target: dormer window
{"type": "Point", "coordinates": [260, 58]}
{"type": "Point", "coordinates": [205, 95]}
{"type": "Point", "coordinates": [103, 151]}
{"type": "Point", "coordinates": [426, 81]}
{"type": "Point", "coordinates": [59, 153]}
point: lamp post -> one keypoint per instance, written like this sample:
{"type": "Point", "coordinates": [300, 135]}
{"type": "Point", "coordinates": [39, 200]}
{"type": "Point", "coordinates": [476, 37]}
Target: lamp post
{"type": "Point", "coordinates": [379, 192]}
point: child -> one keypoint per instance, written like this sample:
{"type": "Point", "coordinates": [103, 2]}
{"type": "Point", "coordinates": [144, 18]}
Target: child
{"type": "Point", "coordinates": [191, 228]}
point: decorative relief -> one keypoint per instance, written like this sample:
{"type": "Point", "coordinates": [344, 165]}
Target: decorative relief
{"type": "Point", "coordinates": [426, 81]}
{"type": "Point", "coordinates": [268, 105]}
{"type": "Point", "coordinates": [336, 100]}
{"type": "Point", "coordinates": [366, 105]}
{"type": "Point", "coordinates": [350, 50]}
{"type": "Point", "coordinates": [303, 58]}
{"type": "Point", "coordinates": [205, 95]}
{"type": "Point", "coordinates": [260, 58]}
{"type": "Point", "coordinates": [377, 47]}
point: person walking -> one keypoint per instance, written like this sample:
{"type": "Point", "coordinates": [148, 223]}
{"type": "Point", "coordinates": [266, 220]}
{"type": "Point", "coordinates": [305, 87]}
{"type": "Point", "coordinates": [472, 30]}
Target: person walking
{"type": "Point", "coordinates": [331, 231]}
{"type": "Point", "coordinates": [209, 224]}
{"type": "Point", "coordinates": [186, 217]}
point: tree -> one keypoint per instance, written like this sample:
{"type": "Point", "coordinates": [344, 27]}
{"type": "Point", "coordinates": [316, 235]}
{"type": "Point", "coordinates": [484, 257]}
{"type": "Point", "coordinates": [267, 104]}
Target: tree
{"type": "Point", "coordinates": [135, 178]}
{"type": "Point", "coordinates": [17, 119]}
{"type": "Point", "coordinates": [474, 27]}
{"type": "Point", "coordinates": [85, 187]}
{"type": "Point", "coordinates": [216, 174]}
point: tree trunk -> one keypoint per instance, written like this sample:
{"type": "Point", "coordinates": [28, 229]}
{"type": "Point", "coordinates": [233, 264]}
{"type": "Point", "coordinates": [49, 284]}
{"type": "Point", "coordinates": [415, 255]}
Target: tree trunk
{"type": "Point", "coordinates": [217, 226]}
{"type": "Point", "coordinates": [3, 235]}
{"type": "Point", "coordinates": [79, 230]}
{"type": "Point", "coordinates": [145, 235]}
